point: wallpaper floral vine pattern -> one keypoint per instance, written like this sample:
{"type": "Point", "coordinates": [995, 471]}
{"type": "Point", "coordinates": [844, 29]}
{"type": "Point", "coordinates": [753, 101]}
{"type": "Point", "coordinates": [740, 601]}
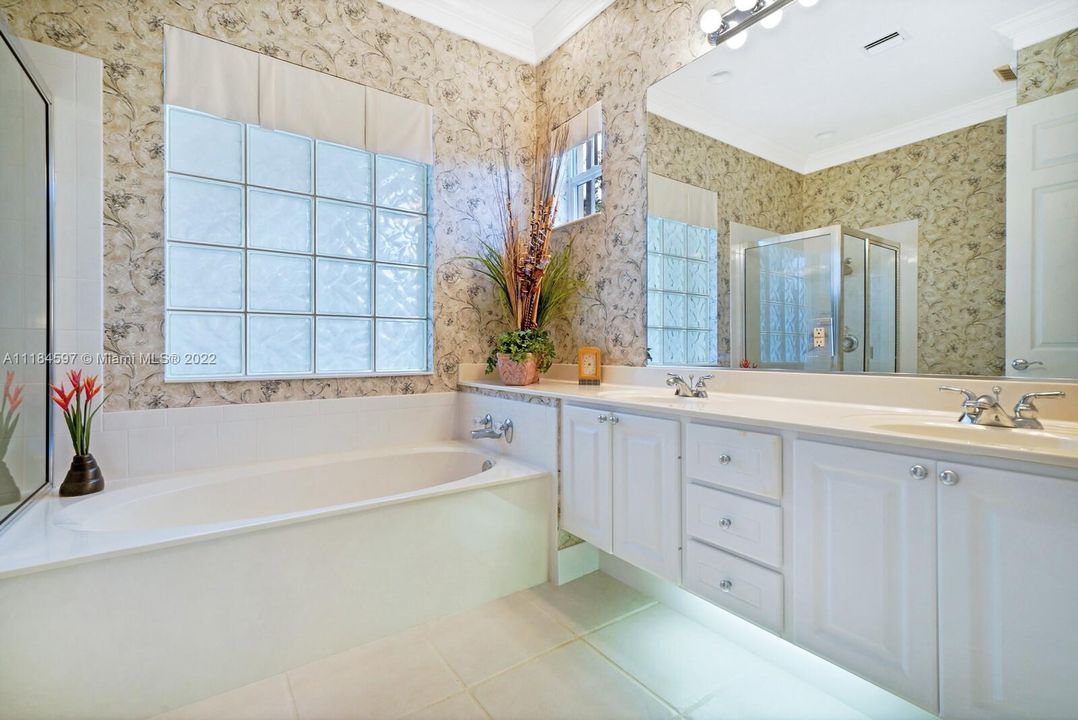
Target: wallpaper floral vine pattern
{"type": "Point", "coordinates": [479, 96]}
{"type": "Point", "coordinates": [751, 190]}
{"type": "Point", "coordinates": [1049, 67]}
{"type": "Point", "coordinates": [953, 185]}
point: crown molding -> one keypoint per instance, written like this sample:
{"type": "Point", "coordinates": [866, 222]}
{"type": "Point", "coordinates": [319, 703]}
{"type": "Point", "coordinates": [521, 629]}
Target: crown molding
{"type": "Point", "coordinates": [563, 21]}
{"type": "Point", "coordinates": [504, 33]}
{"type": "Point", "coordinates": [987, 108]}
{"type": "Point", "coordinates": [1051, 19]}
{"type": "Point", "coordinates": [694, 117]}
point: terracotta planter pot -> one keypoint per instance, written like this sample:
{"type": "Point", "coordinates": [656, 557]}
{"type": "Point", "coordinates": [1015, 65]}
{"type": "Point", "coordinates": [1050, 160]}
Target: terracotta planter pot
{"type": "Point", "coordinates": [518, 373]}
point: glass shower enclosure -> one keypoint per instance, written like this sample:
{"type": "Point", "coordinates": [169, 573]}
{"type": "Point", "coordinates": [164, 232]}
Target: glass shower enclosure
{"type": "Point", "coordinates": [823, 299]}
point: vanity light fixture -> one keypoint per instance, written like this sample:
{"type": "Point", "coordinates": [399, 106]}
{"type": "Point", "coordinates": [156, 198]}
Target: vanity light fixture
{"type": "Point", "coordinates": [731, 27]}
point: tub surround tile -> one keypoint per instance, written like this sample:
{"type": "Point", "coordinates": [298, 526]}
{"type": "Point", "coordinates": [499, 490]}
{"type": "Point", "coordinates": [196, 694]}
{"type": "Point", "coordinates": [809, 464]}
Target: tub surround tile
{"type": "Point", "coordinates": [458, 707]}
{"type": "Point", "coordinates": [149, 451]}
{"type": "Point", "coordinates": [237, 443]}
{"type": "Point", "coordinates": [590, 602]}
{"type": "Point", "coordinates": [384, 679]}
{"type": "Point", "coordinates": [481, 642]}
{"type": "Point", "coordinates": [673, 656]}
{"type": "Point", "coordinates": [269, 699]}
{"type": "Point", "coordinates": [572, 682]}
{"type": "Point", "coordinates": [195, 447]}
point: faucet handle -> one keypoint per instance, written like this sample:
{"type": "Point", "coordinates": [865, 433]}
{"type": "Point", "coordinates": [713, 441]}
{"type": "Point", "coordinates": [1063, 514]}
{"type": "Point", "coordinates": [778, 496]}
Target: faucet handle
{"type": "Point", "coordinates": [1026, 404]}
{"type": "Point", "coordinates": [483, 422]}
{"type": "Point", "coordinates": [704, 378]}
{"type": "Point", "coordinates": [969, 395]}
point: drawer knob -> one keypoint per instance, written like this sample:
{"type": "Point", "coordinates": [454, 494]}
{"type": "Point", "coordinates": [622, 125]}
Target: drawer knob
{"type": "Point", "coordinates": [614, 419]}
{"type": "Point", "coordinates": [603, 418]}
{"type": "Point", "coordinates": [949, 477]}
{"type": "Point", "coordinates": [724, 459]}
{"type": "Point", "coordinates": [726, 586]}
{"type": "Point", "coordinates": [919, 471]}
{"type": "Point", "coordinates": [725, 523]}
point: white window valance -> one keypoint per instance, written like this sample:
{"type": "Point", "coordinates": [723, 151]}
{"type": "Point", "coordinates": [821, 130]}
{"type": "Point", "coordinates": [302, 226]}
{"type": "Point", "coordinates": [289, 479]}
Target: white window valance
{"type": "Point", "coordinates": [680, 201]}
{"type": "Point", "coordinates": [584, 124]}
{"type": "Point", "coordinates": [230, 82]}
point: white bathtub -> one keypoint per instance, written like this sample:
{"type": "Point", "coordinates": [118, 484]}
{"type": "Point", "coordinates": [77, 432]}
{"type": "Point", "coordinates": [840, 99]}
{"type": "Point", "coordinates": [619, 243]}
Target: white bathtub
{"type": "Point", "coordinates": [157, 594]}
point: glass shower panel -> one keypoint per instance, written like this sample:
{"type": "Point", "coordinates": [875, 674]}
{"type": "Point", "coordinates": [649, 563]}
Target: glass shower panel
{"type": "Point", "coordinates": [24, 281]}
{"type": "Point", "coordinates": [787, 294]}
{"type": "Point", "coordinates": [852, 337]}
{"type": "Point", "coordinates": [882, 328]}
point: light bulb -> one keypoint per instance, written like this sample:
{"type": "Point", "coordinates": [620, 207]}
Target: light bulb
{"type": "Point", "coordinates": [745, 5]}
{"type": "Point", "coordinates": [808, 3]}
{"type": "Point", "coordinates": [772, 20]}
{"type": "Point", "coordinates": [736, 41]}
{"type": "Point", "coordinates": [710, 20]}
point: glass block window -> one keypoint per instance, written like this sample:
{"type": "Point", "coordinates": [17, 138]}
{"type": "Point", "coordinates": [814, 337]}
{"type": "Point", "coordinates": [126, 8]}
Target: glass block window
{"type": "Point", "coordinates": [582, 181]}
{"type": "Point", "coordinates": [682, 313]}
{"type": "Point", "coordinates": [289, 256]}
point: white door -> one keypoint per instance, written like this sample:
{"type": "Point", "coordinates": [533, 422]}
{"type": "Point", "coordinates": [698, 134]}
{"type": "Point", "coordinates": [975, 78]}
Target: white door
{"type": "Point", "coordinates": [647, 494]}
{"type": "Point", "coordinates": [1008, 595]}
{"type": "Point", "coordinates": [585, 476]}
{"type": "Point", "coordinates": [862, 578]}
{"type": "Point", "coordinates": [1042, 238]}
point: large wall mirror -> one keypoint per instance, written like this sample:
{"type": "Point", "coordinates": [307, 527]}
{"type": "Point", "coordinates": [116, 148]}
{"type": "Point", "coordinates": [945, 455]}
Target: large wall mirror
{"type": "Point", "coordinates": [865, 187]}
{"type": "Point", "coordinates": [24, 279]}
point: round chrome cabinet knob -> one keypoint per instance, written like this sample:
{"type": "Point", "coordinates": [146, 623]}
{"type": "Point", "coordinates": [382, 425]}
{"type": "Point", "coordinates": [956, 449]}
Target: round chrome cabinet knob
{"type": "Point", "coordinates": [614, 419]}
{"type": "Point", "coordinates": [919, 472]}
{"type": "Point", "coordinates": [724, 459]}
{"type": "Point", "coordinates": [949, 477]}
{"type": "Point", "coordinates": [602, 418]}
{"type": "Point", "coordinates": [725, 523]}
{"type": "Point", "coordinates": [726, 586]}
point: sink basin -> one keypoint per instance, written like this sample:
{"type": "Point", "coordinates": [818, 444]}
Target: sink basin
{"type": "Point", "coordinates": [1032, 440]}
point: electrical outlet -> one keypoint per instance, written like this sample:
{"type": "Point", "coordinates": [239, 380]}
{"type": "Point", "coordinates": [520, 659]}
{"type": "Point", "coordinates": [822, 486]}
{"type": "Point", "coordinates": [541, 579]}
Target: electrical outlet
{"type": "Point", "coordinates": [819, 337]}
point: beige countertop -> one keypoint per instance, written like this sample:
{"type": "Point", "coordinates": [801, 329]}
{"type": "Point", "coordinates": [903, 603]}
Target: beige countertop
{"type": "Point", "coordinates": [1056, 445]}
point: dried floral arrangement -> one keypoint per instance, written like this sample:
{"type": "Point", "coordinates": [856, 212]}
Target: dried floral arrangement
{"type": "Point", "coordinates": [532, 281]}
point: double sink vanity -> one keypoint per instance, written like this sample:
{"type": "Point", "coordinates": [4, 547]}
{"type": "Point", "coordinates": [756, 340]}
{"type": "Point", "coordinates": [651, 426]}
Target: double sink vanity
{"type": "Point", "coordinates": [931, 557]}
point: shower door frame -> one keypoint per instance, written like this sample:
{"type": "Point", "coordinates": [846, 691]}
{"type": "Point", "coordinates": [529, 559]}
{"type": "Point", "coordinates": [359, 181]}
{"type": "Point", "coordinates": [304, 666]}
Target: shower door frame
{"type": "Point", "coordinates": [34, 76]}
{"type": "Point", "coordinates": [838, 234]}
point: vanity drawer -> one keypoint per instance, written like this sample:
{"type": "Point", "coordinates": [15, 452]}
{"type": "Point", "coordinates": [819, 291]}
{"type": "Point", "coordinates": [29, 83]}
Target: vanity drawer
{"type": "Point", "coordinates": [737, 459]}
{"type": "Point", "coordinates": [747, 527]}
{"type": "Point", "coordinates": [742, 587]}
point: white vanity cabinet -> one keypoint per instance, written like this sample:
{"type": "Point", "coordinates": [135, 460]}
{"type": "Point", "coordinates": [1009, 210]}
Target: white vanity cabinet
{"type": "Point", "coordinates": [586, 478]}
{"type": "Point", "coordinates": [1008, 594]}
{"type": "Point", "coordinates": [621, 486]}
{"type": "Point", "coordinates": [862, 576]}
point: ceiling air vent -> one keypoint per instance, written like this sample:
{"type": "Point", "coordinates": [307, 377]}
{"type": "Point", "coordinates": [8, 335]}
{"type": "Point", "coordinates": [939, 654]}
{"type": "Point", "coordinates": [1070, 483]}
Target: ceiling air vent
{"type": "Point", "coordinates": [885, 43]}
{"type": "Point", "coordinates": [1005, 73]}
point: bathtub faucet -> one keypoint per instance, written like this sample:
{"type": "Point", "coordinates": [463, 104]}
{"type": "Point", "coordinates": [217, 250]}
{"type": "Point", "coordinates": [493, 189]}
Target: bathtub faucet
{"type": "Point", "coordinates": [486, 429]}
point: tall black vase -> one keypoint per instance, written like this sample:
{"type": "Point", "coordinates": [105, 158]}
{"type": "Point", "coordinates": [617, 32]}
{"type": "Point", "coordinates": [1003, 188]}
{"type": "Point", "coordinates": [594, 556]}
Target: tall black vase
{"type": "Point", "coordinates": [83, 477]}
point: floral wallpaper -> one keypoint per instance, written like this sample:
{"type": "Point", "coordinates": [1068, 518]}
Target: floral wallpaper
{"type": "Point", "coordinates": [1048, 67]}
{"type": "Point", "coordinates": [953, 185]}
{"type": "Point", "coordinates": [751, 190]}
{"type": "Point", "coordinates": [478, 96]}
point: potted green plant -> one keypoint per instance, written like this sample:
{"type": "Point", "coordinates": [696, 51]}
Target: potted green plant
{"type": "Point", "coordinates": [77, 403]}
{"type": "Point", "coordinates": [532, 281]}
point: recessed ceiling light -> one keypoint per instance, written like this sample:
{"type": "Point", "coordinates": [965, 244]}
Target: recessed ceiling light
{"type": "Point", "coordinates": [719, 77]}
{"type": "Point", "coordinates": [826, 135]}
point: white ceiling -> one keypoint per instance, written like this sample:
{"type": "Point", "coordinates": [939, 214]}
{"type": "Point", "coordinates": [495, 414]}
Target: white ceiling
{"type": "Point", "coordinates": [810, 75]}
{"type": "Point", "coordinates": [528, 30]}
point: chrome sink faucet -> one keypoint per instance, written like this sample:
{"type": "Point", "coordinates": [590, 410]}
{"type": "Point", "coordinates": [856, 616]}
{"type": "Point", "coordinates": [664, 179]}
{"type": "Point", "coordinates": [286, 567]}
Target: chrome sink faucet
{"type": "Point", "coordinates": [695, 388]}
{"type": "Point", "coordinates": [485, 429]}
{"type": "Point", "coordinates": [986, 410]}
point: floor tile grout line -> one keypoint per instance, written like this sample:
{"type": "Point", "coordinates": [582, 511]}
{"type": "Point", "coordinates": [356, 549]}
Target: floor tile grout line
{"type": "Point", "coordinates": [291, 695]}
{"type": "Point", "coordinates": [666, 703]}
{"type": "Point", "coordinates": [519, 663]}
{"type": "Point", "coordinates": [481, 706]}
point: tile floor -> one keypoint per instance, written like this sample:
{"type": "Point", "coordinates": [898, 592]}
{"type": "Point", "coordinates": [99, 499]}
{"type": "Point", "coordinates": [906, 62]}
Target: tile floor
{"type": "Point", "coordinates": [593, 649]}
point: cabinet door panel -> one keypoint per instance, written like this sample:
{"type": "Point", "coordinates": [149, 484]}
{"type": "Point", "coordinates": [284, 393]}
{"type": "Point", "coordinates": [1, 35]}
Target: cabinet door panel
{"type": "Point", "coordinates": [647, 497]}
{"type": "Point", "coordinates": [585, 477]}
{"type": "Point", "coordinates": [863, 573]}
{"type": "Point", "coordinates": [1008, 595]}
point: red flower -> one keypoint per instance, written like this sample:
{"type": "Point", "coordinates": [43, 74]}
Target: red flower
{"type": "Point", "coordinates": [75, 376]}
{"type": "Point", "coordinates": [91, 388]}
{"type": "Point", "coordinates": [10, 379]}
{"type": "Point", "coordinates": [61, 398]}
{"type": "Point", "coordinates": [15, 398]}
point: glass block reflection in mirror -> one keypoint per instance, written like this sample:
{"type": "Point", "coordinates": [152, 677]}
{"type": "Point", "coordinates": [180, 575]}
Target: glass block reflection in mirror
{"type": "Point", "coordinates": [294, 257]}
{"type": "Point", "coordinates": [682, 316]}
